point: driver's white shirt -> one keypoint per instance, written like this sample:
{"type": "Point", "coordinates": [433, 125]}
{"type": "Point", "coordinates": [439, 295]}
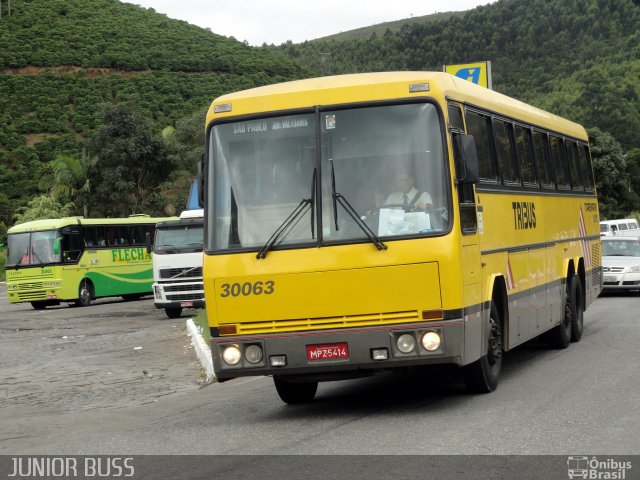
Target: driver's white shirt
{"type": "Point", "coordinates": [397, 198]}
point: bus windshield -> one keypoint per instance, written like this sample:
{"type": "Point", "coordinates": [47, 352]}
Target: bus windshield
{"type": "Point", "coordinates": [29, 249]}
{"type": "Point", "coordinates": [178, 238]}
{"type": "Point", "coordinates": [388, 163]}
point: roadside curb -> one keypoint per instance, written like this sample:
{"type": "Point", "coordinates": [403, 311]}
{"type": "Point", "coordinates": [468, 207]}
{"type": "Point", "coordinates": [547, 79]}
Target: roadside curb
{"type": "Point", "coordinates": [202, 350]}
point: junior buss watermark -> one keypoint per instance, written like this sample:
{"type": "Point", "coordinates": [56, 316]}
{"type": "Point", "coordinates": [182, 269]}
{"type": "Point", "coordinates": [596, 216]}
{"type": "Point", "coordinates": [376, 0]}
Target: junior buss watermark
{"type": "Point", "coordinates": [71, 467]}
{"type": "Point", "coordinates": [594, 468]}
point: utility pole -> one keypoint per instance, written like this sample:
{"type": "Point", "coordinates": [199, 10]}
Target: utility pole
{"type": "Point", "coordinates": [324, 58]}
{"type": "Point", "coordinates": [0, 9]}
{"type": "Point", "coordinates": [9, 5]}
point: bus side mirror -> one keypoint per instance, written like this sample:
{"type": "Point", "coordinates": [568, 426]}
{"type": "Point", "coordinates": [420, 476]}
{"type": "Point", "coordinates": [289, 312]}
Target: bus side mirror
{"type": "Point", "coordinates": [466, 158]}
{"type": "Point", "coordinates": [148, 241]}
{"type": "Point", "coordinates": [56, 246]}
{"type": "Point", "coordinates": [201, 174]}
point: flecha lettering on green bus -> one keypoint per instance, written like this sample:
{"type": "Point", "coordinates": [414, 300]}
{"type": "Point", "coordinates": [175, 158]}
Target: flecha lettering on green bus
{"type": "Point", "coordinates": [114, 255]}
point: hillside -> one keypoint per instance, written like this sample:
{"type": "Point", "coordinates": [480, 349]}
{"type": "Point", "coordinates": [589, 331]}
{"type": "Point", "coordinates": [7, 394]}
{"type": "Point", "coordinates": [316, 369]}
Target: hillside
{"type": "Point", "coordinates": [576, 58]}
{"type": "Point", "coordinates": [365, 33]}
{"type": "Point", "coordinates": [60, 59]}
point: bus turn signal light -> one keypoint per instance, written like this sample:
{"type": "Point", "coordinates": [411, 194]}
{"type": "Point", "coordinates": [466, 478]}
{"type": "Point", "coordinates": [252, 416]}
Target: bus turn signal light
{"type": "Point", "coordinates": [432, 315]}
{"type": "Point", "coordinates": [227, 329]}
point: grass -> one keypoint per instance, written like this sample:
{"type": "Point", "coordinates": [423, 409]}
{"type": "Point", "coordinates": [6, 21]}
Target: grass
{"type": "Point", "coordinates": [200, 319]}
{"type": "Point", "coordinates": [3, 258]}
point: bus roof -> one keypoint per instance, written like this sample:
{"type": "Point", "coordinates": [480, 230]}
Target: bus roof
{"type": "Point", "coordinates": [364, 87]}
{"type": "Point", "coordinates": [51, 224]}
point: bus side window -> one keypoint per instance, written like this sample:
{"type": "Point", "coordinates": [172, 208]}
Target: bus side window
{"type": "Point", "coordinates": [543, 162]}
{"type": "Point", "coordinates": [480, 127]}
{"type": "Point", "coordinates": [559, 163]}
{"type": "Point", "coordinates": [584, 166]}
{"type": "Point", "coordinates": [504, 152]}
{"type": "Point", "coordinates": [572, 159]}
{"type": "Point", "coordinates": [524, 155]}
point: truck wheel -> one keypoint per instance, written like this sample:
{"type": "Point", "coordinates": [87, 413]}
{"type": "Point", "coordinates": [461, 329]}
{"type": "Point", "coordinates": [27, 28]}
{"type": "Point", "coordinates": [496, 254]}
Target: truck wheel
{"type": "Point", "coordinates": [173, 312]}
{"type": "Point", "coordinates": [482, 375]}
{"type": "Point", "coordinates": [291, 392]}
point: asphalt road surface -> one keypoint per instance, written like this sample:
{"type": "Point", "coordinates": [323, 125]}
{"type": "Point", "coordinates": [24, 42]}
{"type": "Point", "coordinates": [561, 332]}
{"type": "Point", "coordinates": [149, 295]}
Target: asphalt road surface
{"type": "Point", "coordinates": [88, 393]}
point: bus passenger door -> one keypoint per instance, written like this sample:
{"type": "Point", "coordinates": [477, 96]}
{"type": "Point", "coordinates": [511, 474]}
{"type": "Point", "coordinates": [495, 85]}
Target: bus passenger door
{"type": "Point", "coordinates": [470, 252]}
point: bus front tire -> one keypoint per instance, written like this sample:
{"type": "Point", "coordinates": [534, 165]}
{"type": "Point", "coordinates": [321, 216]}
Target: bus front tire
{"type": "Point", "coordinates": [173, 312]}
{"type": "Point", "coordinates": [85, 294]}
{"type": "Point", "coordinates": [482, 375]}
{"type": "Point", "coordinates": [39, 305]}
{"type": "Point", "coordinates": [293, 393]}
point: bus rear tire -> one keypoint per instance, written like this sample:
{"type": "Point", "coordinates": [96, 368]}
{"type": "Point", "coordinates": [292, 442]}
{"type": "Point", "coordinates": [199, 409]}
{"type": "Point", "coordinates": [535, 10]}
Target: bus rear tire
{"type": "Point", "coordinates": [85, 294]}
{"type": "Point", "coordinates": [482, 375]}
{"type": "Point", "coordinates": [560, 336]}
{"type": "Point", "coordinates": [41, 305]}
{"type": "Point", "coordinates": [173, 312]}
{"type": "Point", "coordinates": [577, 307]}
{"type": "Point", "coordinates": [293, 393]}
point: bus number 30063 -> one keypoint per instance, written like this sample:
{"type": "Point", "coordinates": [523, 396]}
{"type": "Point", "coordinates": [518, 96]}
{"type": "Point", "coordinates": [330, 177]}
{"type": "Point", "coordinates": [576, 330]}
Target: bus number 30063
{"type": "Point", "coordinates": [247, 288]}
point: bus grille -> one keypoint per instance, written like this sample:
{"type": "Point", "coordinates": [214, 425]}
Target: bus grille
{"type": "Point", "coordinates": [185, 287]}
{"type": "Point", "coordinates": [181, 272]}
{"type": "Point", "coordinates": [347, 321]}
{"type": "Point", "coordinates": [30, 286]}
{"type": "Point", "coordinates": [186, 296]}
{"type": "Point", "coordinates": [34, 295]}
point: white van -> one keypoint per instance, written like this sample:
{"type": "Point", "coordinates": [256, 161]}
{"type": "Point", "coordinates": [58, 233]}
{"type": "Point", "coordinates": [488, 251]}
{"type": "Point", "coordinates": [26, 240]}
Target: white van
{"type": "Point", "coordinates": [177, 263]}
{"type": "Point", "coordinates": [626, 227]}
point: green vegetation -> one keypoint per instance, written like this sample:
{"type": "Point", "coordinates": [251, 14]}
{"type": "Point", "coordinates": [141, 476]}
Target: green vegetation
{"type": "Point", "coordinates": [91, 52]}
{"type": "Point", "coordinates": [200, 319]}
{"type": "Point", "coordinates": [3, 258]}
{"type": "Point", "coordinates": [365, 33]}
{"type": "Point", "coordinates": [577, 58]}
{"type": "Point", "coordinates": [95, 66]}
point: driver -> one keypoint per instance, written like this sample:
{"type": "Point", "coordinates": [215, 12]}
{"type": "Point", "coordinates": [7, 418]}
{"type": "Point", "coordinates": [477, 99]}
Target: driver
{"type": "Point", "coordinates": [408, 195]}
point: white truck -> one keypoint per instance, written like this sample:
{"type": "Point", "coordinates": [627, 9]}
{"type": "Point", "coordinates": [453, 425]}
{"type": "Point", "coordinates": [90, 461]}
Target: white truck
{"type": "Point", "coordinates": [177, 263]}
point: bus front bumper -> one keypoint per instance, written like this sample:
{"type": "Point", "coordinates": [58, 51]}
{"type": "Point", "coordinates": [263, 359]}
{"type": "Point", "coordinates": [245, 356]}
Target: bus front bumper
{"type": "Point", "coordinates": [355, 351]}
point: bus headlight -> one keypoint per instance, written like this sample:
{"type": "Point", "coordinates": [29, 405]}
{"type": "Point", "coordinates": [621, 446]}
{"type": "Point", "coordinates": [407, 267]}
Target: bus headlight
{"type": "Point", "coordinates": [231, 354]}
{"type": "Point", "coordinates": [431, 341]}
{"type": "Point", "coordinates": [253, 354]}
{"type": "Point", "coordinates": [406, 343]}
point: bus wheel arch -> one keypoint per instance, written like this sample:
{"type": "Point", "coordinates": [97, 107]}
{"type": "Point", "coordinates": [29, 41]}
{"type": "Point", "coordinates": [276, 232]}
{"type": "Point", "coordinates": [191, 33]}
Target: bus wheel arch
{"type": "Point", "coordinates": [86, 293]}
{"type": "Point", "coordinates": [482, 375]}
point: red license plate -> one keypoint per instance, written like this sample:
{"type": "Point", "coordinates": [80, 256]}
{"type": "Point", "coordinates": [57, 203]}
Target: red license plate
{"type": "Point", "coordinates": [186, 304]}
{"type": "Point", "coordinates": [328, 351]}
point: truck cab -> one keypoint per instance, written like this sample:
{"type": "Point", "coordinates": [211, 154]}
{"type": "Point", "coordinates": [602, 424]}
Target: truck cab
{"type": "Point", "coordinates": [177, 264]}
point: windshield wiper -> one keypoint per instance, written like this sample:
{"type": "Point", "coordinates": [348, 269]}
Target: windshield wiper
{"type": "Point", "coordinates": [339, 198]}
{"type": "Point", "coordinates": [297, 212]}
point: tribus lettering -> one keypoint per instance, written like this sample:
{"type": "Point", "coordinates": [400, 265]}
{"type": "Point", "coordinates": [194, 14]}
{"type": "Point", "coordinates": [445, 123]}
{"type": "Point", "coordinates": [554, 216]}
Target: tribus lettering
{"type": "Point", "coordinates": [130, 255]}
{"type": "Point", "coordinates": [524, 215]}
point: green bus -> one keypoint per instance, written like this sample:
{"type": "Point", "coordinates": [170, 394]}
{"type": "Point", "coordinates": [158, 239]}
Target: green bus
{"type": "Point", "coordinates": [78, 259]}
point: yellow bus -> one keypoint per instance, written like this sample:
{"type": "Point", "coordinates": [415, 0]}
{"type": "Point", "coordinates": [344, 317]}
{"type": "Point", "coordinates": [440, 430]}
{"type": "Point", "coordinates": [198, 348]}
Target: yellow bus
{"type": "Point", "coordinates": [362, 223]}
{"type": "Point", "coordinates": [77, 260]}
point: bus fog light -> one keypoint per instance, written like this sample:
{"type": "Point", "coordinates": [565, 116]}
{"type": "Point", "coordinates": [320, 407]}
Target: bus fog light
{"type": "Point", "coordinates": [380, 354]}
{"type": "Point", "coordinates": [253, 354]}
{"type": "Point", "coordinates": [406, 343]}
{"type": "Point", "coordinates": [231, 354]}
{"type": "Point", "coordinates": [278, 360]}
{"type": "Point", "coordinates": [431, 341]}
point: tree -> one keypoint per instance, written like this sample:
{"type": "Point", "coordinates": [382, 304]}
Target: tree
{"type": "Point", "coordinates": [131, 161]}
{"type": "Point", "coordinates": [612, 179]}
{"type": "Point", "coordinates": [41, 208]}
{"type": "Point", "coordinates": [71, 179]}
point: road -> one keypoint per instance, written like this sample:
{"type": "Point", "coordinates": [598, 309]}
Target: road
{"type": "Point", "coordinates": [579, 401]}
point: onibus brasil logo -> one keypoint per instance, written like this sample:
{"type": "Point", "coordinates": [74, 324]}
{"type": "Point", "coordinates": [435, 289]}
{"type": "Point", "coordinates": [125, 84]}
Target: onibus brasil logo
{"type": "Point", "coordinates": [594, 468]}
